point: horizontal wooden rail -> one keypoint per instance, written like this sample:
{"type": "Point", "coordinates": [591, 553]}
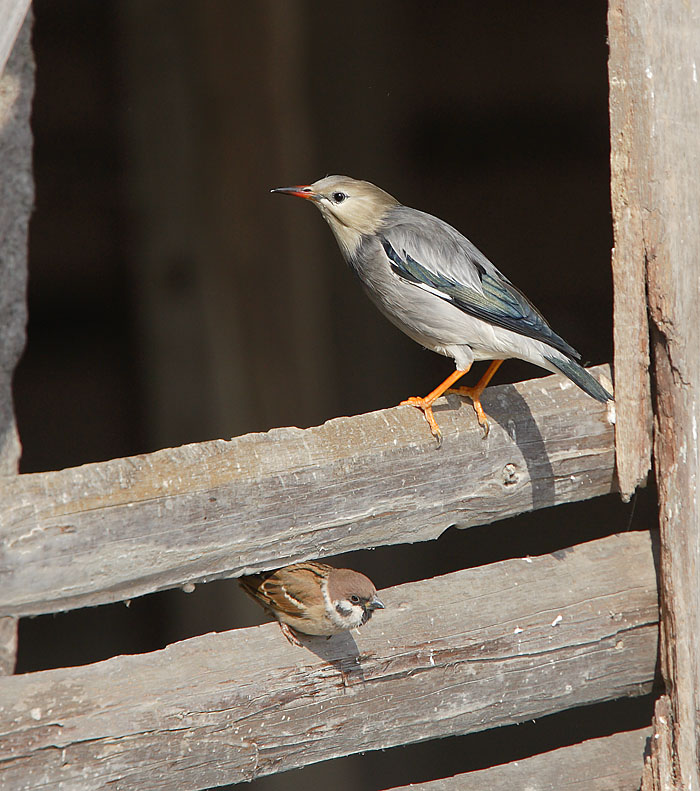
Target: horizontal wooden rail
{"type": "Point", "coordinates": [471, 650]}
{"type": "Point", "coordinates": [611, 763]}
{"type": "Point", "coordinates": [118, 529]}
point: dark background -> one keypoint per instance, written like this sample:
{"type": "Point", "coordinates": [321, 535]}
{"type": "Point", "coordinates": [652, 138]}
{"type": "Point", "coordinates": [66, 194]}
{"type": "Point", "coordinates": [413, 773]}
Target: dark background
{"type": "Point", "coordinates": [173, 299]}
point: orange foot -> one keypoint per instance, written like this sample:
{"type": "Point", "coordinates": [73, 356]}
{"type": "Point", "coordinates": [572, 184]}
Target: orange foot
{"type": "Point", "coordinates": [474, 393]}
{"type": "Point", "coordinates": [426, 407]}
{"type": "Point", "coordinates": [426, 404]}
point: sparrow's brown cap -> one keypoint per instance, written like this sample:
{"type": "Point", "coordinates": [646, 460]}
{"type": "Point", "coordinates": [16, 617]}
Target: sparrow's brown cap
{"type": "Point", "coordinates": [349, 584]}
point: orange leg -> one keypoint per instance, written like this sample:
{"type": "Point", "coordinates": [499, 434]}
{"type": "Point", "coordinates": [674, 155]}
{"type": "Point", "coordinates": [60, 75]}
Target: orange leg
{"type": "Point", "coordinates": [426, 404]}
{"type": "Point", "coordinates": [475, 394]}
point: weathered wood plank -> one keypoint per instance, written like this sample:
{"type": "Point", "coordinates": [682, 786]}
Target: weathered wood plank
{"type": "Point", "coordinates": [611, 763]}
{"type": "Point", "coordinates": [664, 55]}
{"type": "Point", "coordinates": [631, 96]}
{"type": "Point", "coordinates": [110, 531]}
{"type": "Point", "coordinates": [472, 650]}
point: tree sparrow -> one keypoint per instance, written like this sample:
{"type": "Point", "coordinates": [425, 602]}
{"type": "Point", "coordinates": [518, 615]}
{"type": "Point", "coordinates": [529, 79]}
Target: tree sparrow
{"type": "Point", "coordinates": [314, 598]}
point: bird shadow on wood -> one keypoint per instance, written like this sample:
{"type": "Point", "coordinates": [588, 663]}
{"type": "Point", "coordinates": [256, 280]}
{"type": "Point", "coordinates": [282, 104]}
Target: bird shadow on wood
{"type": "Point", "coordinates": [511, 412]}
{"type": "Point", "coordinates": [513, 415]}
{"type": "Point", "coordinates": [341, 652]}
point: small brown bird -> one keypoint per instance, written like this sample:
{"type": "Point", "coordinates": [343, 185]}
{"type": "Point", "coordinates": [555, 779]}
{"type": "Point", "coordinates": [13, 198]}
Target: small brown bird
{"type": "Point", "coordinates": [314, 598]}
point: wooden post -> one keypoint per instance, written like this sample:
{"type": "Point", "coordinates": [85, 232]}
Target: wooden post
{"type": "Point", "coordinates": [629, 121]}
{"type": "Point", "coordinates": [16, 197]}
{"type": "Point", "coordinates": [655, 60]}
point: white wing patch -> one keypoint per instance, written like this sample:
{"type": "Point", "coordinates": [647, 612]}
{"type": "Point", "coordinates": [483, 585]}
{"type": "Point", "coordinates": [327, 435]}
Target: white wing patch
{"type": "Point", "coordinates": [436, 291]}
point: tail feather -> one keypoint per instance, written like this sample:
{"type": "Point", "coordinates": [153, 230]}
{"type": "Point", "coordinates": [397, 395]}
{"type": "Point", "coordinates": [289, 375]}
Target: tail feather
{"type": "Point", "coordinates": [580, 376]}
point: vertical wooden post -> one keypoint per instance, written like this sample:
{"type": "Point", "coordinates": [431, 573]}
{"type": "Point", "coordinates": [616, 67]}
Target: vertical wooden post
{"type": "Point", "coordinates": [16, 197]}
{"type": "Point", "coordinates": [655, 114]}
{"type": "Point", "coordinates": [629, 133]}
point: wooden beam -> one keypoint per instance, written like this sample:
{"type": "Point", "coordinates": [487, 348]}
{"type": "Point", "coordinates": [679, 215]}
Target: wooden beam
{"type": "Point", "coordinates": [611, 763]}
{"type": "Point", "coordinates": [119, 529]}
{"type": "Point", "coordinates": [630, 99]}
{"type": "Point", "coordinates": [663, 59]}
{"type": "Point", "coordinates": [467, 651]}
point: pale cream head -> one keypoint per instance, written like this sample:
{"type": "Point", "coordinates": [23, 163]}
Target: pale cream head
{"type": "Point", "coordinates": [352, 208]}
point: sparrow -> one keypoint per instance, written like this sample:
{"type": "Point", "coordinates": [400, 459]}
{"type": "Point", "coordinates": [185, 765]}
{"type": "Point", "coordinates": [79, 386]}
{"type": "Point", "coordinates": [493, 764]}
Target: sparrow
{"type": "Point", "coordinates": [314, 598]}
{"type": "Point", "coordinates": [439, 289]}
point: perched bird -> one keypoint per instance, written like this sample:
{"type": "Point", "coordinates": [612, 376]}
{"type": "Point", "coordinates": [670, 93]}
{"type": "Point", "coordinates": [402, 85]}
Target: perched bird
{"type": "Point", "coordinates": [437, 287]}
{"type": "Point", "coordinates": [314, 598]}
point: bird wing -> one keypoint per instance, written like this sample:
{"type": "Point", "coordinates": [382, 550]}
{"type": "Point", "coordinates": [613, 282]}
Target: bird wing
{"type": "Point", "coordinates": [290, 590]}
{"type": "Point", "coordinates": [433, 256]}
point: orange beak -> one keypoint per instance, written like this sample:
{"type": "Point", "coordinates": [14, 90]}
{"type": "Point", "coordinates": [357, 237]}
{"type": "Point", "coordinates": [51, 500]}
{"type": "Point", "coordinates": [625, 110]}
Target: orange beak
{"type": "Point", "coordinates": [302, 191]}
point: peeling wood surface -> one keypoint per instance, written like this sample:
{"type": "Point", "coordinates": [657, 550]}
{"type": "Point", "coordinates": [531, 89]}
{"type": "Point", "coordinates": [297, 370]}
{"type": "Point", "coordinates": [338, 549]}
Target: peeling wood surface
{"type": "Point", "coordinates": [611, 763]}
{"type": "Point", "coordinates": [118, 529]}
{"type": "Point", "coordinates": [472, 650]}
{"type": "Point", "coordinates": [659, 773]}
{"type": "Point", "coordinates": [631, 103]}
{"type": "Point", "coordinates": [664, 56]}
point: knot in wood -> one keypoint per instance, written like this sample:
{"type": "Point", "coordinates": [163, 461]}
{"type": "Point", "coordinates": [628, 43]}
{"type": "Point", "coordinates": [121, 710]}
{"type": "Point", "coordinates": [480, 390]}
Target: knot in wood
{"type": "Point", "coordinates": [510, 475]}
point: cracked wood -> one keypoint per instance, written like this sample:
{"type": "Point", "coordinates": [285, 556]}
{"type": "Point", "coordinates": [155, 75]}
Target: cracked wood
{"type": "Point", "coordinates": [122, 528]}
{"type": "Point", "coordinates": [659, 46]}
{"type": "Point", "coordinates": [467, 651]}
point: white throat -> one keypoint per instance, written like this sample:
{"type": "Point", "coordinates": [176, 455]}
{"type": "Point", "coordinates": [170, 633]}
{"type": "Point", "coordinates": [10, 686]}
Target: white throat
{"type": "Point", "coordinates": [348, 238]}
{"type": "Point", "coordinates": [343, 614]}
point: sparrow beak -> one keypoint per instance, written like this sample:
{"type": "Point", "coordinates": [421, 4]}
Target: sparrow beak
{"type": "Point", "coordinates": [375, 604]}
{"type": "Point", "coordinates": [302, 191]}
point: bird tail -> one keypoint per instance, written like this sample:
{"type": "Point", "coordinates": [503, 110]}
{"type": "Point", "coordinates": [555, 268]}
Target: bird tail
{"type": "Point", "coordinates": [580, 376]}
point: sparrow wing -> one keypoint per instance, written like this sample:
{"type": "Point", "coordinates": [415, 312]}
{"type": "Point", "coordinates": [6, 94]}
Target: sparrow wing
{"type": "Point", "coordinates": [290, 591]}
{"type": "Point", "coordinates": [432, 255]}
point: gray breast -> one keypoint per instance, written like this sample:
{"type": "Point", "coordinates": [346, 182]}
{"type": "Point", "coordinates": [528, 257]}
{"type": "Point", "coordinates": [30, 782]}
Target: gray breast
{"type": "Point", "coordinates": [425, 318]}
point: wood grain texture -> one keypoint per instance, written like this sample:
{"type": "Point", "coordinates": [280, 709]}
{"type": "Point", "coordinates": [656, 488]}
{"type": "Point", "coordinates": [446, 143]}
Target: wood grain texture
{"type": "Point", "coordinates": [631, 99]}
{"type": "Point", "coordinates": [611, 763]}
{"type": "Point", "coordinates": [472, 650]}
{"type": "Point", "coordinates": [665, 56]}
{"type": "Point", "coordinates": [114, 530]}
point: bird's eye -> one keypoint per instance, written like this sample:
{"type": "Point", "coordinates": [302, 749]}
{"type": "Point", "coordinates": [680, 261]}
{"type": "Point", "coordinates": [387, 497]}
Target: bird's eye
{"type": "Point", "coordinates": [355, 599]}
{"type": "Point", "coordinates": [338, 197]}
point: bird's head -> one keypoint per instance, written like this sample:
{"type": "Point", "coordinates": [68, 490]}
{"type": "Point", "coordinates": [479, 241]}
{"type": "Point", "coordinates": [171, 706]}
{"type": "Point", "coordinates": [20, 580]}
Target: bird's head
{"type": "Point", "coordinates": [353, 598]}
{"type": "Point", "coordinates": [352, 208]}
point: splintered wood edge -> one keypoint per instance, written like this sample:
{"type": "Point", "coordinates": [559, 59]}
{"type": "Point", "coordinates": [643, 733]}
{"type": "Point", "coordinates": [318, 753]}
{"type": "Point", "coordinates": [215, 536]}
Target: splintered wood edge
{"type": "Point", "coordinates": [464, 652]}
{"type": "Point", "coordinates": [115, 530]}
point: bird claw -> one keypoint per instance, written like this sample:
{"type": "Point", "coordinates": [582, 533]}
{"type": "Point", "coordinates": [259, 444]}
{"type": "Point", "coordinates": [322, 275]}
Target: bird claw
{"type": "Point", "coordinates": [288, 632]}
{"type": "Point", "coordinates": [485, 426]}
{"type": "Point", "coordinates": [468, 392]}
{"type": "Point", "coordinates": [427, 410]}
